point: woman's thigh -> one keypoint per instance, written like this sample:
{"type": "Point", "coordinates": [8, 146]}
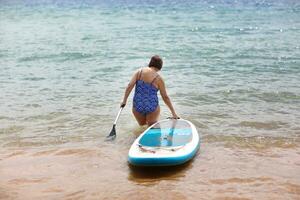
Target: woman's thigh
{"type": "Point", "coordinates": [152, 118]}
{"type": "Point", "coordinates": [140, 118]}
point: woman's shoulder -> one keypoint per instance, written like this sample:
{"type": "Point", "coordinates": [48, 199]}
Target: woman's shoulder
{"type": "Point", "coordinates": [139, 70]}
{"type": "Point", "coordinates": [159, 76]}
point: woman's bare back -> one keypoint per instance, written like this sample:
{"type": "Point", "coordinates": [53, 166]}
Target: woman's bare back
{"type": "Point", "coordinates": [148, 75]}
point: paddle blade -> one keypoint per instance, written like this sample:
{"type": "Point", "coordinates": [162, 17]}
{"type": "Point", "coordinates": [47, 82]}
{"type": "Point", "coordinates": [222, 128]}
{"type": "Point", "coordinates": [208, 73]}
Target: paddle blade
{"type": "Point", "coordinates": [112, 135]}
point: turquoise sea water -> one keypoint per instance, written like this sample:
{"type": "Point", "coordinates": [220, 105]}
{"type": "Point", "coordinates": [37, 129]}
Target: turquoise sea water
{"type": "Point", "coordinates": [231, 67]}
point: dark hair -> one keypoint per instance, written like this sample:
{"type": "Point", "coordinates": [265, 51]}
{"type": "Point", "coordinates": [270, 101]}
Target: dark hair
{"type": "Point", "coordinates": [156, 62]}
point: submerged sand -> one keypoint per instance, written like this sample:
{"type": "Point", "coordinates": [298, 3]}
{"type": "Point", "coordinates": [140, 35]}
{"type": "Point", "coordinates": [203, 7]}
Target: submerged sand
{"type": "Point", "coordinates": [100, 171]}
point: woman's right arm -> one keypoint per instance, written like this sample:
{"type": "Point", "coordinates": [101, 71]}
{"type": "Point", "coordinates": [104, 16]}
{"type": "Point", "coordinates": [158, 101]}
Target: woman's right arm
{"type": "Point", "coordinates": [165, 97]}
{"type": "Point", "coordinates": [129, 88]}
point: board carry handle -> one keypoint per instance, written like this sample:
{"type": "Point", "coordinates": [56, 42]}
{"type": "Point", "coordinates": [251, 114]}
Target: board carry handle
{"type": "Point", "coordinates": [173, 117]}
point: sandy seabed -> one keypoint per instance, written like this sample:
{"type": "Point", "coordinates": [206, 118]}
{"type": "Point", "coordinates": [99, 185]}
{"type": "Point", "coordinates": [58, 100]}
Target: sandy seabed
{"type": "Point", "coordinates": [94, 172]}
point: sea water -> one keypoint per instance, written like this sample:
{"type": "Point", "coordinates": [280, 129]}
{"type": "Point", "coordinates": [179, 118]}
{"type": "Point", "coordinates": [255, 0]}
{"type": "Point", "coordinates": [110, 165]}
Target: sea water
{"type": "Point", "coordinates": [230, 67]}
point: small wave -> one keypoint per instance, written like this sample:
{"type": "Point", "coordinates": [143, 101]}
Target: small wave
{"type": "Point", "coordinates": [86, 38]}
{"type": "Point", "coordinates": [261, 125]}
{"type": "Point", "coordinates": [278, 96]}
{"type": "Point", "coordinates": [73, 56]}
{"type": "Point", "coordinates": [34, 78]}
{"type": "Point", "coordinates": [49, 116]}
{"type": "Point", "coordinates": [5, 118]}
{"type": "Point", "coordinates": [11, 129]}
{"type": "Point", "coordinates": [57, 57]}
{"type": "Point", "coordinates": [35, 58]}
{"type": "Point", "coordinates": [253, 142]}
{"type": "Point", "coordinates": [204, 98]}
{"type": "Point", "coordinates": [45, 89]}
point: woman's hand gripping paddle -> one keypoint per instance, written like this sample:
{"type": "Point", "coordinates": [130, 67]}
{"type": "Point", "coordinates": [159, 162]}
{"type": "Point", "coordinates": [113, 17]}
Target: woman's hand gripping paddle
{"type": "Point", "coordinates": [112, 135]}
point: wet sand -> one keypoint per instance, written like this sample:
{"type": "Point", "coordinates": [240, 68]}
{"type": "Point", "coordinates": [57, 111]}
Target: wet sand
{"type": "Point", "coordinates": [100, 171]}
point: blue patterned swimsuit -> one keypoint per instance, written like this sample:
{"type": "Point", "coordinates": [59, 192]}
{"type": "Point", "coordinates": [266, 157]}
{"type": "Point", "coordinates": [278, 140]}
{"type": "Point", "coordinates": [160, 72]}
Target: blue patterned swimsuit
{"type": "Point", "coordinates": [145, 98]}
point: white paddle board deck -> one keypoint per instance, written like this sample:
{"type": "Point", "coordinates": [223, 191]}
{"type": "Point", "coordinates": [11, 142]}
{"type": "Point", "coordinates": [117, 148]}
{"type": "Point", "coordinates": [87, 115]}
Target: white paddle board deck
{"type": "Point", "coordinates": [165, 143]}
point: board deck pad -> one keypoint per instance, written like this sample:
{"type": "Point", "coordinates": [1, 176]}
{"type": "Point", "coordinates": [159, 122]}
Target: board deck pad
{"type": "Point", "coordinates": [171, 133]}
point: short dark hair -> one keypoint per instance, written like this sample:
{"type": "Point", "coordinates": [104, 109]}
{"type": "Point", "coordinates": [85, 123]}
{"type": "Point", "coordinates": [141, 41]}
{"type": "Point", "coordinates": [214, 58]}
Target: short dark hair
{"type": "Point", "coordinates": [156, 62]}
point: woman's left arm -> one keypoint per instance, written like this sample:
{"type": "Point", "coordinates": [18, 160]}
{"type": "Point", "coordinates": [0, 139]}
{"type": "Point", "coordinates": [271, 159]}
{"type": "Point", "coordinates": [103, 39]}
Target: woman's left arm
{"type": "Point", "coordinates": [129, 88]}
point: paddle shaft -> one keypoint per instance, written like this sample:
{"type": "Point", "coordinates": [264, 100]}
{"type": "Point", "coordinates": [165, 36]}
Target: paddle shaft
{"type": "Point", "coordinates": [115, 122]}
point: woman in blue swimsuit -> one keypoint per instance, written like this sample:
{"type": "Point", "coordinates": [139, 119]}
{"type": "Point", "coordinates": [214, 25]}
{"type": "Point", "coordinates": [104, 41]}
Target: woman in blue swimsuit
{"type": "Point", "coordinates": [147, 82]}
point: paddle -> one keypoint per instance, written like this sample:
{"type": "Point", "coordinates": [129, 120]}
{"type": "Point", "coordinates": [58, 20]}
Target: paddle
{"type": "Point", "coordinates": [112, 135]}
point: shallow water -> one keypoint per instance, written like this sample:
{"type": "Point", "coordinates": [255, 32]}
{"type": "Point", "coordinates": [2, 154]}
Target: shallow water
{"type": "Point", "coordinates": [231, 68]}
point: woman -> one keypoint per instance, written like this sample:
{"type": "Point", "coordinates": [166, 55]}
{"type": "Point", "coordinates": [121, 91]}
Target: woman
{"type": "Point", "coordinates": [147, 82]}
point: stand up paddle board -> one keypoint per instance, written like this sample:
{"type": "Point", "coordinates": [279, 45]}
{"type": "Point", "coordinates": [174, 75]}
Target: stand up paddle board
{"type": "Point", "coordinates": [165, 143]}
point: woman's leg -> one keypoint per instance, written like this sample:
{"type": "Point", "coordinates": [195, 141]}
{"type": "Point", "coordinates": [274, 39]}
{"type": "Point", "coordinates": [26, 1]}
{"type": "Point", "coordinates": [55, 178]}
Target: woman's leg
{"type": "Point", "coordinates": [140, 118]}
{"type": "Point", "coordinates": [152, 118]}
